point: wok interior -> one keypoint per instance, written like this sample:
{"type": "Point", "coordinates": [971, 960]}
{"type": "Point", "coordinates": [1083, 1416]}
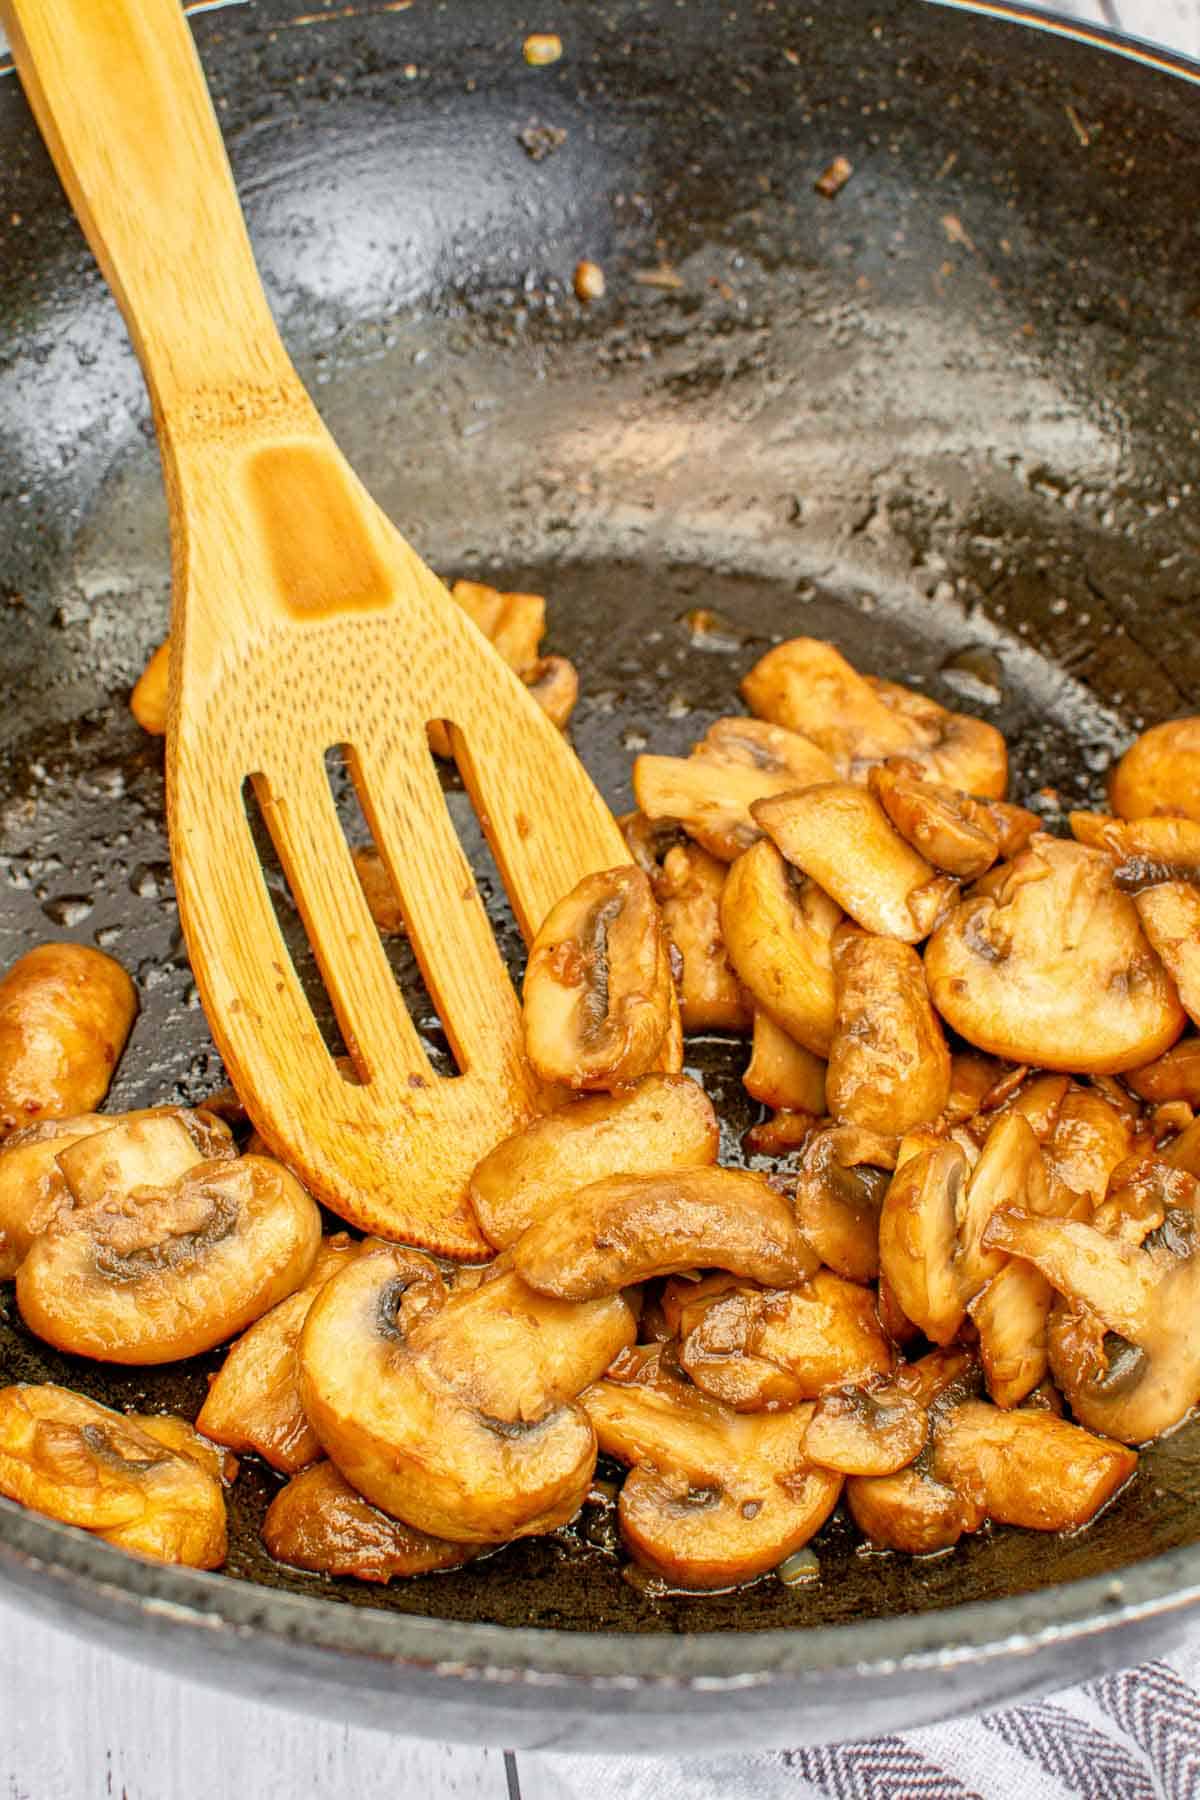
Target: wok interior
{"type": "Point", "coordinates": [947, 420]}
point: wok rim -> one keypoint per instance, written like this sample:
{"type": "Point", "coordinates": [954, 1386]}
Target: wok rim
{"type": "Point", "coordinates": [68, 1574]}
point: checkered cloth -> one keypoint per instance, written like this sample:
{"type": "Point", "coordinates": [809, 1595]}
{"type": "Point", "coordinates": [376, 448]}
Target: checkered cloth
{"type": "Point", "coordinates": [1131, 1736]}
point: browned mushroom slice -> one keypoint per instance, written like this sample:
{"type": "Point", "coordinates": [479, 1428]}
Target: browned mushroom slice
{"type": "Point", "coordinates": [714, 1498]}
{"type": "Point", "coordinates": [254, 1401]}
{"type": "Point", "coordinates": [1159, 773]}
{"type": "Point", "coordinates": [866, 1431]}
{"type": "Point", "coordinates": [185, 1440]}
{"type": "Point", "coordinates": [630, 1228]}
{"type": "Point", "coordinates": [1012, 1313]}
{"type": "Point", "coordinates": [918, 1237]}
{"type": "Point", "coordinates": [840, 836]}
{"type": "Point", "coordinates": [755, 744]}
{"type": "Point", "coordinates": [554, 683]}
{"type": "Point", "coordinates": [148, 701]}
{"type": "Point", "coordinates": [1038, 1100]}
{"type": "Point", "coordinates": [33, 1188]}
{"type": "Point", "coordinates": [910, 1511]}
{"type": "Point", "coordinates": [778, 931]}
{"type": "Point", "coordinates": [456, 1415]}
{"type": "Point", "coordinates": [688, 891]}
{"type": "Point", "coordinates": [972, 1077]}
{"type": "Point", "coordinates": [1184, 1151]}
{"type": "Point", "coordinates": [1136, 1389]}
{"type": "Point", "coordinates": [65, 1013]}
{"type": "Point", "coordinates": [1146, 851]}
{"type": "Point", "coordinates": [1028, 1468]}
{"type": "Point", "coordinates": [809, 687]}
{"type": "Point", "coordinates": [711, 800]}
{"type": "Point", "coordinates": [318, 1522]}
{"type": "Point", "coordinates": [1175, 1076]}
{"type": "Point", "coordinates": [657, 1124]}
{"type": "Point", "coordinates": [513, 623]}
{"type": "Point", "coordinates": [949, 829]}
{"type": "Point", "coordinates": [754, 1349]}
{"type": "Point", "coordinates": [73, 1460]}
{"type": "Point", "coordinates": [889, 1068]}
{"type": "Point", "coordinates": [781, 1073]}
{"type": "Point", "coordinates": [953, 748]}
{"type": "Point", "coordinates": [779, 1135]}
{"type": "Point", "coordinates": [164, 1257]}
{"type": "Point", "coordinates": [1089, 1140]}
{"type": "Point", "coordinates": [382, 900]}
{"type": "Point", "coordinates": [598, 997]}
{"type": "Point", "coordinates": [1053, 968]}
{"type": "Point", "coordinates": [648, 840]}
{"type": "Point", "coordinates": [1010, 1172]}
{"type": "Point", "coordinates": [844, 1174]}
{"type": "Point", "coordinates": [1170, 915]}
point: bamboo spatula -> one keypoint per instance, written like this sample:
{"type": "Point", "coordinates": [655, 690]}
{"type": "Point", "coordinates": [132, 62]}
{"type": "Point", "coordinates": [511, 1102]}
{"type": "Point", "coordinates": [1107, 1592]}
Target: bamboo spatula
{"type": "Point", "coordinates": [301, 619]}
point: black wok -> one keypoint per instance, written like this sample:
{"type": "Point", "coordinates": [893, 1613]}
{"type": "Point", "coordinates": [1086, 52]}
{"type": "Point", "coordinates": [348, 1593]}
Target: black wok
{"type": "Point", "coordinates": [950, 419]}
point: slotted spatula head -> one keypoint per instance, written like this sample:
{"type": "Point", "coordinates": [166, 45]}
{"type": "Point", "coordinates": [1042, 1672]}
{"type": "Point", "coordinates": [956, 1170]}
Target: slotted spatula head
{"type": "Point", "coordinates": [302, 620]}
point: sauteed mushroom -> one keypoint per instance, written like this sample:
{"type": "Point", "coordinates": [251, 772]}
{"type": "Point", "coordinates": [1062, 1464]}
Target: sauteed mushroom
{"type": "Point", "coordinates": [952, 831]}
{"type": "Point", "coordinates": [164, 1257]}
{"type": "Point", "coordinates": [65, 1013]}
{"type": "Point", "coordinates": [910, 1510]}
{"type": "Point", "coordinates": [1089, 1140]}
{"type": "Point", "coordinates": [844, 1174]}
{"type": "Point", "coordinates": [73, 1460]}
{"type": "Point", "coordinates": [631, 1228]}
{"type": "Point", "coordinates": [889, 1068]}
{"type": "Point", "coordinates": [381, 897]}
{"type": "Point", "coordinates": [714, 1497]}
{"type": "Point", "coordinates": [778, 933]}
{"type": "Point", "coordinates": [33, 1189]}
{"type": "Point", "coordinates": [710, 792]}
{"type": "Point", "coordinates": [971, 1079]}
{"type": "Point", "coordinates": [781, 1073]}
{"type": "Point", "coordinates": [840, 836]}
{"type": "Point", "coordinates": [254, 1401]}
{"type": "Point", "coordinates": [1027, 1467]}
{"type": "Point", "coordinates": [1160, 848]}
{"type": "Point", "coordinates": [1146, 1294]}
{"type": "Point", "coordinates": [809, 687]}
{"type": "Point", "coordinates": [1175, 1076]}
{"type": "Point", "coordinates": [1159, 773]}
{"type": "Point", "coordinates": [918, 1235]}
{"type": "Point", "coordinates": [756, 1349]}
{"type": "Point", "coordinates": [554, 683]}
{"type": "Point", "coordinates": [953, 748]}
{"type": "Point", "coordinates": [1052, 967]}
{"type": "Point", "coordinates": [318, 1522]}
{"type": "Point", "coordinates": [599, 999]}
{"type": "Point", "coordinates": [867, 1430]}
{"type": "Point", "coordinates": [657, 1124]}
{"type": "Point", "coordinates": [148, 701]}
{"type": "Point", "coordinates": [648, 840]}
{"type": "Point", "coordinates": [456, 1414]}
{"type": "Point", "coordinates": [1170, 916]}
{"type": "Point", "coordinates": [688, 891]}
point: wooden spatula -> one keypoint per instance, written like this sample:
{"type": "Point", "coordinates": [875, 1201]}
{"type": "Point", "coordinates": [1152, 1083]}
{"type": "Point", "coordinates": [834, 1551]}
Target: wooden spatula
{"type": "Point", "coordinates": [301, 619]}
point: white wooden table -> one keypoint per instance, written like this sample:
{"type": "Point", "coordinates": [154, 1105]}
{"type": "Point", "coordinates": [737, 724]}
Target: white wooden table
{"type": "Point", "coordinates": [78, 1723]}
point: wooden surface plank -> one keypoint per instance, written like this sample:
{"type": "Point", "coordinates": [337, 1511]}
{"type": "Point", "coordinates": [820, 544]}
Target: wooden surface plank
{"type": "Point", "coordinates": [78, 1723]}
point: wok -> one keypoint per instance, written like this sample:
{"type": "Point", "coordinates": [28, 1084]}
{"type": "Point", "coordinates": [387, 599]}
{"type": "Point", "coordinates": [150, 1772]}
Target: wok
{"type": "Point", "coordinates": [949, 419]}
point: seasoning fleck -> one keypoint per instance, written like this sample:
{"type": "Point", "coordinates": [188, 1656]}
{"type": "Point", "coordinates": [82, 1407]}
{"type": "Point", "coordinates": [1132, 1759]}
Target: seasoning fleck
{"type": "Point", "coordinates": [542, 47]}
{"type": "Point", "coordinates": [589, 281]}
{"type": "Point", "coordinates": [835, 177]}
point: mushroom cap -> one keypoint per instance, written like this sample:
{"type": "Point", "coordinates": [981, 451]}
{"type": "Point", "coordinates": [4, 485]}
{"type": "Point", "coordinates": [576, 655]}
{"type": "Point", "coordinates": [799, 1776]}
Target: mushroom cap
{"type": "Point", "coordinates": [953, 748]}
{"type": "Point", "coordinates": [889, 1066]}
{"type": "Point", "coordinates": [778, 932]}
{"type": "Point", "coordinates": [809, 687]}
{"type": "Point", "coordinates": [1159, 773]}
{"type": "Point", "coordinates": [318, 1522]}
{"type": "Point", "coordinates": [844, 1173]}
{"type": "Point", "coordinates": [1052, 967]}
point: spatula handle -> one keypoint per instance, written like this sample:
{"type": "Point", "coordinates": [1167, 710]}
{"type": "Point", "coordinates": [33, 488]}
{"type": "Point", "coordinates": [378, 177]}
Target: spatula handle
{"type": "Point", "coordinates": [119, 94]}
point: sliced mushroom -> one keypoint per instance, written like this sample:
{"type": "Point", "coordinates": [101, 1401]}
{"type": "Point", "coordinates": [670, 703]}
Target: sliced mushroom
{"type": "Point", "coordinates": [1089, 1140]}
{"type": "Point", "coordinates": [918, 1237]}
{"type": "Point", "coordinates": [164, 1257]}
{"type": "Point", "coordinates": [514, 624]}
{"type": "Point", "coordinates": [456, 1415]}
{"type": "Point", "coordinates": [1053, 967]}
{"type": "Point", "coordinates": [844, 1174]}
{"type": "Point", "coordinates": [1028, 1468]}
{"type": "Point", "coordinates": [714, 1498]}
{"type": "Point", "coordinates": [318, 1522]}
{"type": "Point", "coordinates": [1175, 1076]}
{"type": "Point", "coordinates": [648, 841]}
{"type": "Point", "coordinates": [65, 1013]}
{"type": "Point", "coordinates": [630, 1228]}
{"type": "Point", "coordinates": [598, 993]}
{"type": "Point", "coordinates": [889, 1067]}
{"type": "Point", "coordinates": [866, 1431]}
{"type": "Point", "coordinates": [758, 1350]}
{"type": "Point", "coordinates": [33, 1189]}
{"type": "Point", "coordinates": [754, 744]}
{"type": "Point", "coordinates": [148, 701]}
{"type": "Point", "coordinates": [254, 1401]}
{"type": "Point", "coordinates": [778, 932]}
{"type": "Point", "coordinates": [185, 1440]}
{"type": "Point", "coordinates": [1159, 773]}
{"type": "Point", "coordinates": [688, 892]}
{"type": "Point", "coordinates": [954, 748]}
{"type": "Point", "coordinates": [711, 800]}
{"type": "Point", "coordinates": [1148, 1296]}
{"type": "Point", "coordinates": [1146, 851]}
{"type": "Point", "coordinates": [951, 829]}
{"type": "Point", "coordinates": [1170, 916]}
{"type": "Point", "coordinates": [382, 900]}
{"type": "Point", "coordinates": [554, 683]}
{"type": "Point", "coordinates": [657, 1124]}
{"type": "Point", "coordinates": [840, 837]}
{"type": "Point", "coordinates": [910, 1511]}
{"type": "Point", "coordinates": [781, 1073]}
{"type": "Point", "coordinates": [1038, 1101]}
{"type": "Point", "coordinates": [73, 1460]}
{"type": "Point", "coordinates": [972, 1077]}
{"type": "Point", "coordinates": [809, 687]}
{"type": "Point", "coordinates": [779, 1135]}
